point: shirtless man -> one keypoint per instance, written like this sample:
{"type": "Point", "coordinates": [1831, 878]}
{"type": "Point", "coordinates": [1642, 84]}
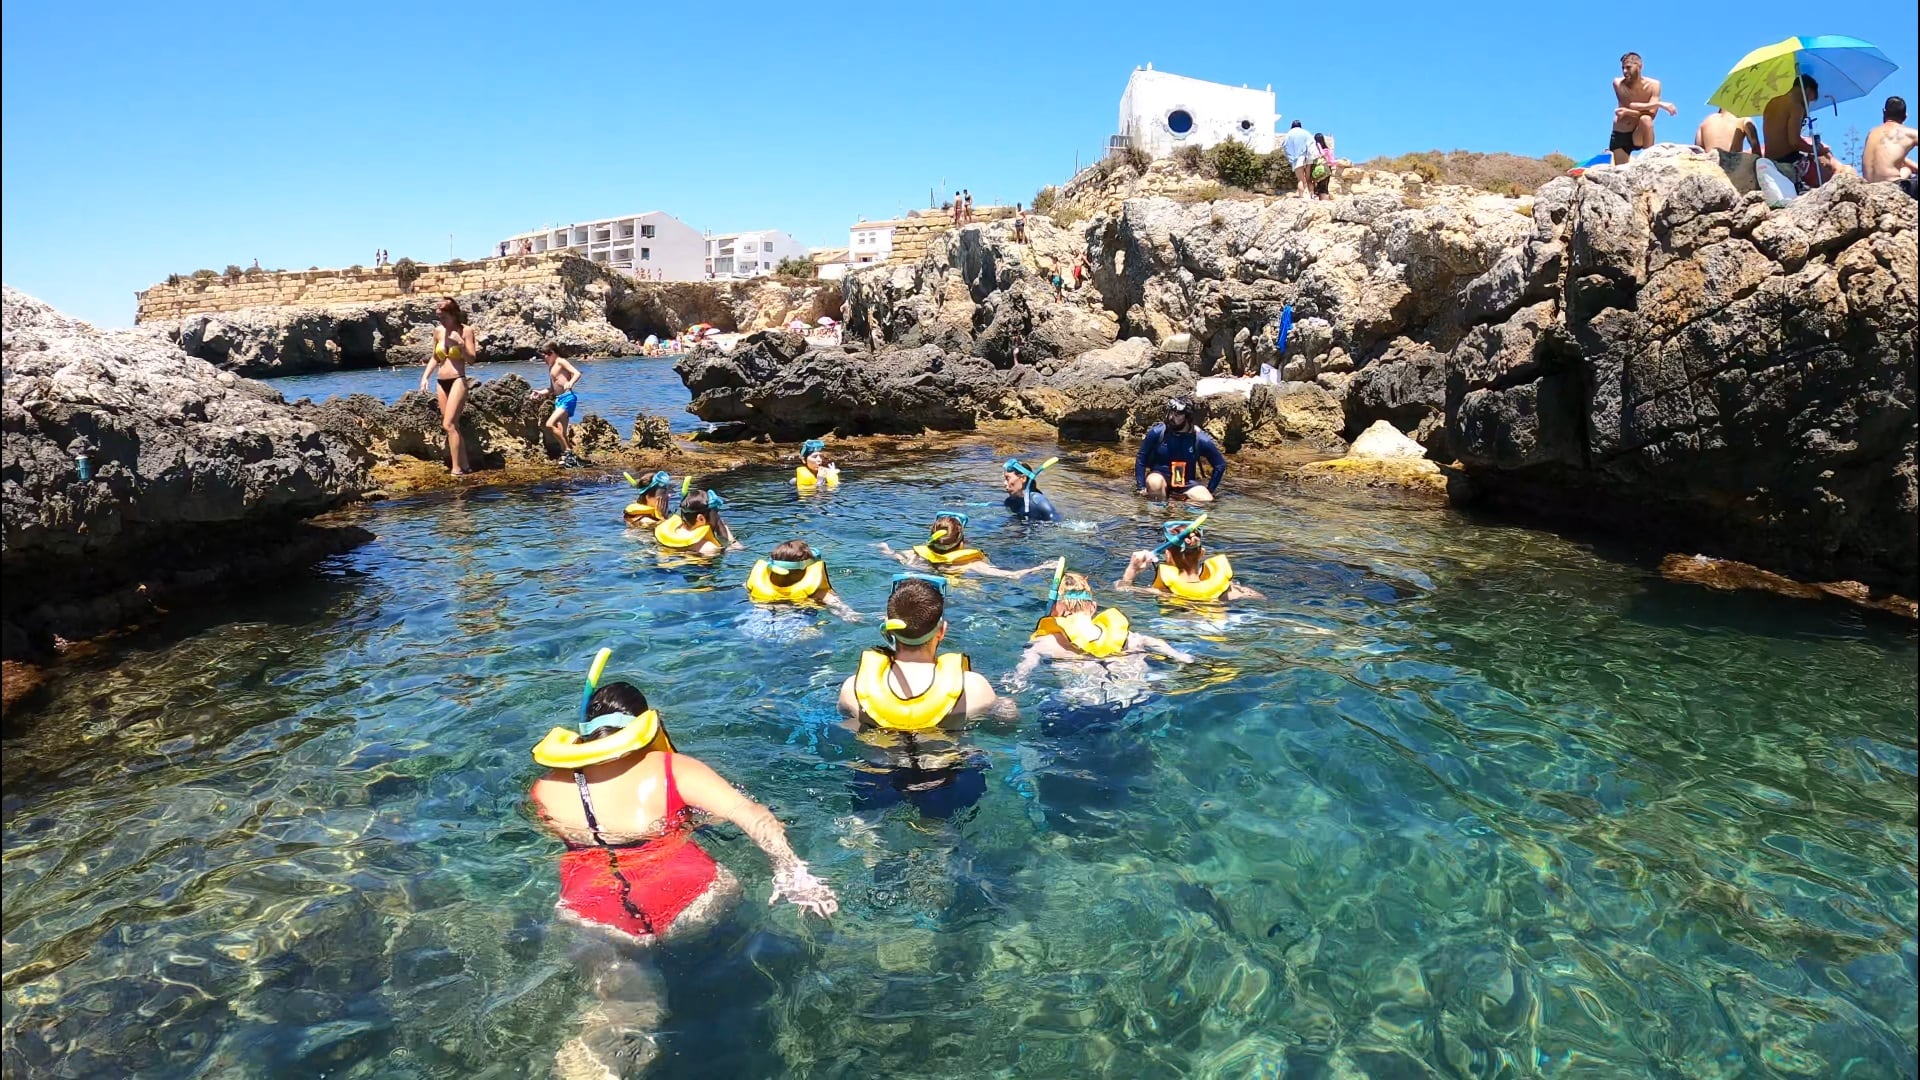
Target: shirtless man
{"type": "Point", "coordinates": [1728, 134]}
{"type": "Point", "coordinates": [1888, 147]}
{"type": "Point", "coordinates": [1782, 123]}
{"type": "Point", "coordinates": [1639, 102]}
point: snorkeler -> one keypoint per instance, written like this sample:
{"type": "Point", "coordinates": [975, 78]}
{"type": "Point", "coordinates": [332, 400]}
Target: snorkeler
{"type": "Point", "coordinates": [1023, 491]}
{"type": "Point", "coordinates": [1168, 463]}
{"type": "Point", "coordinates": [912, 686]}
{"type": "Point", "coordinates": [1077, 628]}
{"type": "Point", "coordinates": [562, 377]}
{"type": "Point", "coordinates": [793, 574]}
{"type": "Point", "coordinates": [1188, 572]}
{"type": "Point", "coordinates": [816, 469]}
{"type": "Point", "coordinates": [623, 800]}
{"type": "Point", "coordinates": [946, 551]}
{"type": "Point", "coordinates": [649, 505]}
{"type": "Point", "coordinates": [696, 527]}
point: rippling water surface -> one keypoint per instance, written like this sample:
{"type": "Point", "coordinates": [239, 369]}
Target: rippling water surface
{"type": "Point", "coordinates": [1459, 800]}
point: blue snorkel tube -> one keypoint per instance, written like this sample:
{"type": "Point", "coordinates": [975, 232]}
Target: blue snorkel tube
{"type": "Point", "coordinates": [593, 683]}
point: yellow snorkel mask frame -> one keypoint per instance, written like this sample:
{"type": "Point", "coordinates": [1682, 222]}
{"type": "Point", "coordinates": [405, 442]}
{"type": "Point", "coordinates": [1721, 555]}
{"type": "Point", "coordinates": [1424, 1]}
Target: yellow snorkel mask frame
{"type": "Point", "coordinates": [563, 748]}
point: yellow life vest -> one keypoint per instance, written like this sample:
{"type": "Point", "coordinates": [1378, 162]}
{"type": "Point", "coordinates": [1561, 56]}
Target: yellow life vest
{"type": "Point", "coordinates": [806, 478]}
{"type": "Point", "coordinates": [1215, 575]}
{"type": "Point", "coordinates": [562, 748]}
{"type": "Point", "coordinates": [761, 588]}
{"type": "Point", "coordinates": [1099, 635]}
{"type": "Point", "coordinates": [956, 557]}
{"type": "Point", "coordinates": [672, 533]}
{"type": "Point", "coordinates": [640, 513]}
{"type": "Point", "coordinates": [880, 704]}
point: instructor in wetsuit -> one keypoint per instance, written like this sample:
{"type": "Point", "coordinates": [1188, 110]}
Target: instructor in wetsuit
{"type": "Point", "coordinates": [1168, 465]}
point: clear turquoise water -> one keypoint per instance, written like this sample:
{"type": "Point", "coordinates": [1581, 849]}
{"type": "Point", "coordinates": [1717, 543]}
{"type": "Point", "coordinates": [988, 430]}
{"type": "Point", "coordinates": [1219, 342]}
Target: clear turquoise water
{"type": "Point", "coordinates": [1460, 800]}
{"type": "Point", "coordinates": [617, 390]}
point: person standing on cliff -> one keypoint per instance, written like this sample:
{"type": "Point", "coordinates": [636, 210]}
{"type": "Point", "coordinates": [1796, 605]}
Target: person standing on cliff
{"type": "Point", "coordinates": [1889, 148]}
{"type": "Point", "coordinates": [1637, 103]}
{"type": "Point", "coordinates": [453, 347]}
{"type": "Point", "coordinates": [1168, 464]}
{"type": "Point", "coordinates": [1020, 225]}
{"type": "Point", "coordinates": [1301, 154]}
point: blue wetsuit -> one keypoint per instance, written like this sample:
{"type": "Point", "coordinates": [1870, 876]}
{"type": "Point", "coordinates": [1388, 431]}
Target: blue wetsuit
{"type": "Point", "coordinates": [1177, 457]}
{"type": "Point", "coordinates": [1042, 508]}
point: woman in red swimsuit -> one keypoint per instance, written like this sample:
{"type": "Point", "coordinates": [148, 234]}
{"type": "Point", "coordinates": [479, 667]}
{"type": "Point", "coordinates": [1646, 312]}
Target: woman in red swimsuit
{"type": "Point", "coordinates": [625, 803]}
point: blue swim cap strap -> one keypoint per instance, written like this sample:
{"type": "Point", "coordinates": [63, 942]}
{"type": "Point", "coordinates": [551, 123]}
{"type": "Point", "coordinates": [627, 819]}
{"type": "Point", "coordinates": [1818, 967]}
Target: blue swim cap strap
{"type": "Point", "coordinates": [1077, 594]}
{"type": "Point", "coordinates": [606, 720]}
{"type": "Point", "coordinates": [790, 566]}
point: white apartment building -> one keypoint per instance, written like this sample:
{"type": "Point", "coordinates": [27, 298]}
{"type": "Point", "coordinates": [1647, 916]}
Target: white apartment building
{"type": "Point", "coordinates": [870, 242]}
{"type": "Point", "coordinates": [1161, 112]}
{"type": "Point", "coordinates": [654, 246]}
{"type": "Point", "coordinates": [750, 254]}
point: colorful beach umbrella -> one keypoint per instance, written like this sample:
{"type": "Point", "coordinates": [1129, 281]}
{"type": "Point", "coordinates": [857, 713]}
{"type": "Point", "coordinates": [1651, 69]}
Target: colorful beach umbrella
{"type": "Point", "coordinates": [1846, 68]}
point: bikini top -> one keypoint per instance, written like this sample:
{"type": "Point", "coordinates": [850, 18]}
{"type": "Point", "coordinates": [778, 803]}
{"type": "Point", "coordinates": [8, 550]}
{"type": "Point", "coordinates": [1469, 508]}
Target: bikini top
{"type": "Point", "coordinates": [448, 351]}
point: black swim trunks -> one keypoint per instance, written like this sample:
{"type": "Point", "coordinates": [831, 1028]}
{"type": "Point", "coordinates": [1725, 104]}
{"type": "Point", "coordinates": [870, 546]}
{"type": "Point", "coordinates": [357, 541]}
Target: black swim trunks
{"type": "Point", "coordinates": [1622, 140]}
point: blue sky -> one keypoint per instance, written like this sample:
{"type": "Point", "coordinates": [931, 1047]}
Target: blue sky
{"type": "Point", "coordinates": [144, 139]}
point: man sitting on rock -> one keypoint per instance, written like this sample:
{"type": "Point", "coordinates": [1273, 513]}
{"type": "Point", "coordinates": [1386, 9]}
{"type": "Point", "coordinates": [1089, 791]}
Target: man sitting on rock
{"type": "Point", "coordinates": [1889, 152]}
{"type": "Point", "coordinates": [1807, 162]}
{"type": "Point", "coordinates": [1168, 465]}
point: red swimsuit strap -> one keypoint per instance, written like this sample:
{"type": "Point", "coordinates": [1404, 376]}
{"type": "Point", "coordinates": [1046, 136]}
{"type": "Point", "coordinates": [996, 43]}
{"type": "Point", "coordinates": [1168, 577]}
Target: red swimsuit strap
{"type": "Point", "coordinates": [675, 805]}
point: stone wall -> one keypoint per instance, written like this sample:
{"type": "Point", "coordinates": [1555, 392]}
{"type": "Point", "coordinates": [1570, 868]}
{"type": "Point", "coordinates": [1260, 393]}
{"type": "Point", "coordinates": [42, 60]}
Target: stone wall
{"type": "Point", "coordinates": [911, 235]}
{"type": "Point", "coordinates": [354, 287]}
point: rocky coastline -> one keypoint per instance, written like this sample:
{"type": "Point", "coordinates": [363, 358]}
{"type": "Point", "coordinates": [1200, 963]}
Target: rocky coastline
{"type": "Point", "coordinates": [1641, 350]}
{"type": "Point", "coordinates": [589, 311]}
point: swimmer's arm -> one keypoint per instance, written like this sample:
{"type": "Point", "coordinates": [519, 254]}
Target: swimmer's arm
{"type": "Point", "coordinates": [433, 360]}
{"type": "Point", "coordinates": [703, 788]}
{"type": "Point", "coordinates": [573, 374]}
{"type": "Point", "coordinates": [1149, 643]}
{"type": "Point", "coordinates": [849, 704]}
{"type": "Point", "coordinates": [904, 558]}
{"type": "Point", "coordinates": [471, 345]}
{"type": "Point", "coordinates": [987, 569]}
{"type": "Point", "coordinates": [1140, 561]}
{"type": "Point", "coordinates": [838, 606]}
{"type": "Point", "coordinates": [978, 699]}
{"type": "Point", "coordinates": [1016, 679]}
{"type": "Point", "coordinates": [1237, 591]}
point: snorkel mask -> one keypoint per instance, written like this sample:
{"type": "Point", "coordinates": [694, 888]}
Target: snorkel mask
{"type": "Point", "coordinates": [812, 447]}
{"type": "Point", "coordinates": [1054, 595]}
{"type": "Point", "coordinates": [1179, 532]}
{"type": "Point", "coordinates": [957, 515]}
{"type": "Point", "coordinates": [892, 627]}
{"type": "Point", "coordinates": [656, 482]}
{"type": "Point", "coordinates": [792, 566]}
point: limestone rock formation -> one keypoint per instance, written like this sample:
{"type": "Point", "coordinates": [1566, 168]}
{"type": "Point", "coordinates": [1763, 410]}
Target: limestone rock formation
{"type": "Point", "coordinates": [1705, 370]}
{"type": "Point", "coordinates": [773, 383]}
{"type": "Point", "coordinates": [190, 470]}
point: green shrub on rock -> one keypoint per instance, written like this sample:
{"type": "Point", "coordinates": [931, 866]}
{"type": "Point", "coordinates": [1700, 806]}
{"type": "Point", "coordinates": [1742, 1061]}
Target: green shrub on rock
{"type": "Point", "coordinates": [1044, 199]}
{"type": "Point", "coordinates": [405, 271]}
{"type": "Point", "coordinates": [1236, 164]}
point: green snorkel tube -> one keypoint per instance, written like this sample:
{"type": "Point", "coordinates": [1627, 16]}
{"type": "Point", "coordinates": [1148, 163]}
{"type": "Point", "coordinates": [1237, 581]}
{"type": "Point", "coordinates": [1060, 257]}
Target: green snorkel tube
{"type": "Point", "coordinates": [1176, 538]}
{"type": "Point", "coordinates": [1014, 465]}
{"type": "Point", "coordinates": [593, 683]}
{"type": "Point", "coordinates": [658, 480]}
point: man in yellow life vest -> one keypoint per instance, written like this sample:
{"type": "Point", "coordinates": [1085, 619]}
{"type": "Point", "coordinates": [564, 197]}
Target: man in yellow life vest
{"type": "Point", "coordinates": [946, 550]}
{"type": "Point", "coordinates": [912, 686]}
{"type": "Point", "coordinates": [793, 574]}
{"type": "Point", "coordinates": [1077, 628]}
{"type": "Point", "coordinates": [1185, 570]}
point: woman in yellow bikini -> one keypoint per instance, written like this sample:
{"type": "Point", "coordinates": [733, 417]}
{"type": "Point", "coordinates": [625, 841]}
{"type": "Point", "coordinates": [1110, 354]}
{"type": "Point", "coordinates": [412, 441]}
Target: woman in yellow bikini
{"type": "Point", "coordinates": [453, 346]}
{"type": "Point", "coordinates": [946, 550]}
{"type": "Point", "coordinates": [1187, 571]}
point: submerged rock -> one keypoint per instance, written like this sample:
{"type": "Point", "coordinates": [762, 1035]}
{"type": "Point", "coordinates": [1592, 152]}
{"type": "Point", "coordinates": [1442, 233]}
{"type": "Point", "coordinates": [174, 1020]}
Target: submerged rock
{"type": "Point", "coordinates": [191, 474]}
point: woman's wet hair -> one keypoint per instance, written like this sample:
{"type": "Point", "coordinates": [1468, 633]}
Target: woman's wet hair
{"type": "Point", "coordinates": [452, 307]}
{"type": "Point", "coordinates": [919, 604]}
{"type": "Point", "coordinates": [951, 540]}
{"type": "Point", "coordinates": [1073, 583]}
{"type": "Point", "coordinates": [695, 506]}
{"type": "Point", "coordinates": [613, 697]}
{"type": "Point", "coordinates": [789, 551]}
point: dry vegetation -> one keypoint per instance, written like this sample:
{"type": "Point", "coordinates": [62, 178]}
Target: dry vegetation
{"type": "Point", "coordinates": [1502, 174]}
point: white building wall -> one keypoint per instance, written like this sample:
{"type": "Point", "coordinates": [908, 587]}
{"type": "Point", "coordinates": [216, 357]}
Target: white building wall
{"type": "Point", "coordinates": [750, 254]}
{"type": "Point", "coordinates": [655, 246]}
{"type": "Point", "coordinates": [1157, 104]}
{"type": "Point", "coordinates": [870, 242]}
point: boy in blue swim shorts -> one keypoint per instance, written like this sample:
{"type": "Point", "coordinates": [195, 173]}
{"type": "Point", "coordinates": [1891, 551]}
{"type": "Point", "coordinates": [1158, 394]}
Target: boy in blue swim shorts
{"type": "Point", "coordinates": [561, 377]}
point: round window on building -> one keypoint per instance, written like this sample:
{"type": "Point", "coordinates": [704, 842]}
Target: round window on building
{"type": "Point", "coordinates": [1246, 127]}
{"type": "Point", "coordinates": [1180, 121]}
